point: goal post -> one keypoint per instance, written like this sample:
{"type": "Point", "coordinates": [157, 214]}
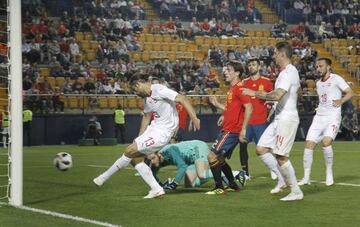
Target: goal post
{"type": "Point", "coordinates": [16, 104]}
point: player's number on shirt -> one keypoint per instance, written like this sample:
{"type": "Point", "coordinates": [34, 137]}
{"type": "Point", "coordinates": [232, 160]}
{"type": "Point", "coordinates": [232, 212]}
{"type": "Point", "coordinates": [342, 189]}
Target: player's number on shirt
{"type": "Point", "coordinates": [323, 98]}
{"type": "Point", "coordinates": [279, 140]}
{"type": "Point", "coordinates": [149, 142]}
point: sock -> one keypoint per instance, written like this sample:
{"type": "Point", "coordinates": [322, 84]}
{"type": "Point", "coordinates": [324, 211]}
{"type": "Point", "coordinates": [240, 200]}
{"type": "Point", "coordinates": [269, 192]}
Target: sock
{"type": "Point", "coordinates": [122, 162]}
{"type": "Point", "coordinates": [329, 158]}
{"type": "Point", "coordinates": [270, 161]}
{"type": "Point", "coordinates": [288, 172]}
{"type": "Point", "coordinates": [197, 182]}
{"type": "Point", "coordinates": [244, 158]}
{"type": "Point", "coordinates": [216, 171]}
{"type": "Point", "coordinates": [146, 174]}
{"type": "Point", "coordinates": [207, 176]}
{"type": "Point", "coordinates": [226, 169]}
{"type": "Point", "coordinates": [308, 159]}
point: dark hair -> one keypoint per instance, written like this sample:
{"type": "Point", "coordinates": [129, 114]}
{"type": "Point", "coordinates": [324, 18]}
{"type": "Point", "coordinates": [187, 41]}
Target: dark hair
{"type": "Point", "coordinates": [285, 47]}
{"type": "Point", "coordinates": [119, 106]}
{"type": "Point", "coordinates": [327, 60]}
{"type": "Point", "coordinates": [137, 77]}
{"type": "Point", "coordinates": [238, 67]}
{"type": "Point", "coordinates": [253, 59]}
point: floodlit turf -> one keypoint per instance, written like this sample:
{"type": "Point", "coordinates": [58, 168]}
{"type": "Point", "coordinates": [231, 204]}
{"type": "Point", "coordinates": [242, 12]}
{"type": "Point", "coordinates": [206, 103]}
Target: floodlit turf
{"type": "Point", "coordinates": [120, 201]}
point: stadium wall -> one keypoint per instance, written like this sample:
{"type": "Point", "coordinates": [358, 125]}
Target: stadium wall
{"type": "Point", "coordinates": [68, 129]}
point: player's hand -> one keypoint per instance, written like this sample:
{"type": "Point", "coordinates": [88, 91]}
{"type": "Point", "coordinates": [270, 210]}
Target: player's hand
{"type": "Point", "coordinates": [170, 184]}
{"type": "Point", "coordinates": [213, 100]}
{"type": "Point", "coordinates": [242, 136]}
{"type": "Point", "coordinates": [196, 124]}
{"type": "Point", "coordinates": [337, 103]}
{"type": "Point", "coordinates": [249, 92]}
{"type": "Point", "coordinates": [220, 120]}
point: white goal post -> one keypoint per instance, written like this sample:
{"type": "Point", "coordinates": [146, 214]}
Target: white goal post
{"type": "Point", "coordinates": [16, 104]}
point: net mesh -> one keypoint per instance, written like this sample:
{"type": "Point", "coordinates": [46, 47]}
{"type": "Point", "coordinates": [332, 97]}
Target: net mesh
{"type": "Point", "coordinates": [4, 92]}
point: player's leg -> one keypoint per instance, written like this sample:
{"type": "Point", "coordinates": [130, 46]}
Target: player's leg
{"type": "Point", "coordinates": [244, 155]}
{"type": "Point", "coordinates": [329, 136]}
{"type": "Point", "coordinates": [223, 147]}
{"type": "Point", "coordinates": [285, 137]}
{"type": "Point", "coordinates": [312, 138]}
{"type": "Point", "coordinates": [307, 161]}
{"type": "Point", "coordinates": [263, 150]}
{"type": "Point", "coordinates": [122, 162]}
{"type": "Point", "coordinates": [215, 163]}
{"type": "Point", "coordinates": [191, 179]}
{"type": "Point", "coordinates": [329, 159]}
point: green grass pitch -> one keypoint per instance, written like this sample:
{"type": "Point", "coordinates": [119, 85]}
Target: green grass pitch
{"type": "Point", "coordinates": [120, 201]}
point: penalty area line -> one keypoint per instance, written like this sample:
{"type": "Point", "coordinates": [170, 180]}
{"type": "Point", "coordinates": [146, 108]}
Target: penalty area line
{"type": "Point", "coordinates": [64, 216]}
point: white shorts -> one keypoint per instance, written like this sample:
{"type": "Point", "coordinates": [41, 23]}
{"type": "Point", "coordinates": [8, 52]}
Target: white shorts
{"type": "Point", "coordinates": [279, 136]}
{"type": "Point", "coordinates": [322, 126]}
{"type": "Point", "coordinates": [152, 140]}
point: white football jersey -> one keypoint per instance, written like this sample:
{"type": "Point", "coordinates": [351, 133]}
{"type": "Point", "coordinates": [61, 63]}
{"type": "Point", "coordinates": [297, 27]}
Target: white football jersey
{"type": "Point", "coordinates": [162, 103]}
{"type": "Point", "coordinates": [286, 107]}
{"type": "Point", "coordinates": [329, 90]}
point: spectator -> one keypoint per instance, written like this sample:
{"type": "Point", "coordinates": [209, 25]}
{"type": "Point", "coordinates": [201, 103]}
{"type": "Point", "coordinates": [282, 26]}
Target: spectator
{"type": "Point", "coordinates": [93, 130]}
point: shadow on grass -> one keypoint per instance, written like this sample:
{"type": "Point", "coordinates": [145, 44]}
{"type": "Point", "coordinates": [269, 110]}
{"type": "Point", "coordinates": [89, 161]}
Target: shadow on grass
{"type": "Point", "coordinates": [54, 198]}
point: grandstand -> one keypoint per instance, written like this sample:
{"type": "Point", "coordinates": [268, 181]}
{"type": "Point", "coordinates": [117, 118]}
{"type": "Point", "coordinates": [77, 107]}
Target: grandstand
{"type": "Point", "coordinates": [81, 54]}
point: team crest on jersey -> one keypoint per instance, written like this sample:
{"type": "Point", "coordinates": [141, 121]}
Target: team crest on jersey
{"type": "Point", "coordinates": [261, 87]}
{"type": "Point", "coordinates": [229, 97]}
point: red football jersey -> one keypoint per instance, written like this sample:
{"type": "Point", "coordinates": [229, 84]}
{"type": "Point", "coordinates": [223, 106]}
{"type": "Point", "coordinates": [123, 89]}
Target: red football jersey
{"type": "Point", "coordinates": [234, 109]}
{"type": "Point", "coordinates": [182, 115]}
{"type": "Point", "coordinates": [260, 110]}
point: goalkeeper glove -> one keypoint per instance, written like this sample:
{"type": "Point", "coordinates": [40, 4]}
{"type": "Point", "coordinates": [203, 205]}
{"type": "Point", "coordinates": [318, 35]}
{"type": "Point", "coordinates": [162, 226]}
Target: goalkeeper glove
{"type": "Point", "coordinates": [170, 184]}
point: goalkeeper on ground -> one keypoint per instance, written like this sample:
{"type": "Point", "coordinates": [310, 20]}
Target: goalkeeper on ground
{"type": "Point", "coordinates": [190, 158]}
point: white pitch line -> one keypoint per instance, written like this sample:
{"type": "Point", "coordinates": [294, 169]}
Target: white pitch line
{"type": "Point", "coordinates": [64, 216]}
{"type": "Point", "coordinates": [323, 182]}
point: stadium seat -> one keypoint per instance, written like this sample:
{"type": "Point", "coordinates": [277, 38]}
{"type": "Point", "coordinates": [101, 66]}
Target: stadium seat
{"type": "Point", "coordinates": [44, 72]}
{"type": "Point", "coordinates": [215, 41]}
{"type": "Point", "coordinates": [145, 56]}
{"type": "Point", "coordinates": [149, 37]}
{"type": "Point", "coordinates": [165, 46]}
{"type": "Point", "coordinates": [167, 38]}
{"type": "Point", "coordinates": [79, 36]}
{"type": "Point", "coordinates": [103, 102]}
{"type": "Point", "coordinates": [182, 47]}
{"type": "Point", "coordinates": [147, 46]}
{"type": "Point", "coordinates": [88, 36]}
{"type": "Point", "coordinates": [199, 40]}
{"type": "Point", "coordinates": [156, 46]}
{"type": "Point", "coordinates": [73, 102]}
{"type": "Point", "coordinates": [224, 41]}
{"type": "Point", "coordinates": [83, 102]}
{"type": "Point", "coordinates": [174, 48]}
{"type": "Point", "coordinates": [65, 100]}
{"type": "Point", "coordinates": [94, 45]}
{"type": "Point", "coordinates": [158, 38]}
{"type": "Point", "coordinates": [113, 102]}
{"type": "Point", "coordinates": [85, 44]}
{"type": "Point", "coordinates": [131, 103]}
{"type": "Point", "coordinates": [51, 81]}
{"type": "Point", "coordinates": [259, 34]}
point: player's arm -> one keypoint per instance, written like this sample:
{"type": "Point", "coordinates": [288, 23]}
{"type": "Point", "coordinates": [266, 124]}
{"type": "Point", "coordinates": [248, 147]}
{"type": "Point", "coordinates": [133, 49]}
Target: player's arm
{"type": "Point", "coordinates": [214, 100]}
{"type": "Point", "coordinates": [274, 95]}
{"type": "Point", "coordinates": [189, 109]}
{"type": "Point", "coordinates": [247, 115]}
{"type": "Point", "coordinates": [144, 122]}
{"type": "Point", "coordinates": [349, 93]}
{"type": "Point", "coordinates": [181, 166]}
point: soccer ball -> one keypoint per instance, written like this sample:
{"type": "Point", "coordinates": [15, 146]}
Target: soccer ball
{"type": "Point", "coordinates": [63, 161]}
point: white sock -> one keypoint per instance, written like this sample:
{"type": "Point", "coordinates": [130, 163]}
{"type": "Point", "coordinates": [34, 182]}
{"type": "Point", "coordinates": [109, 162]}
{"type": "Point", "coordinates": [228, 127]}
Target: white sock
{"type": "Point", "coordinates": [308, 159]}
{"type": "Point", "coordinates": [289, 173]}
{"type": "Point", "coordinates": [4, 141]}
{"type": "Point", "coordinates": [270, 161]}
{"type": "Point", "coordinates": [329, 158]}
{"type": "Point", "coordinates": [122, 162]}
{"type": "Point", "coordinates": [146, 174]}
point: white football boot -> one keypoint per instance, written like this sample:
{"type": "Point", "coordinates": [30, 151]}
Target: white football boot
{"type": "Point", "coordinates": [278, 188]}
{"type": "Point", "coordinates": [293, 196]}
{"type": "Point", "coordinates": [304, 182]}
{"type": "Point", "coordinates": [99, 181]}
{"type": "Point", "coordinates": [155, 193]}
{"type": "Point", "coordinates": [329, 178]}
